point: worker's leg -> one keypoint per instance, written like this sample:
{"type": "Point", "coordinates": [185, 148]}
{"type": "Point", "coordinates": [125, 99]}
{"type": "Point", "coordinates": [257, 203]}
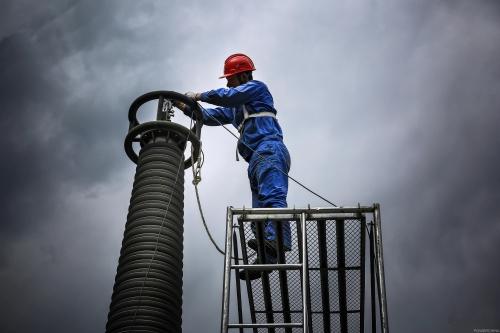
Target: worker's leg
{"type": "Point", "coordinates": [255, 201]}
{"type": "Point", "coordinates": [269, 188]}
{"type": "Point", "coordinates": [269, 183]}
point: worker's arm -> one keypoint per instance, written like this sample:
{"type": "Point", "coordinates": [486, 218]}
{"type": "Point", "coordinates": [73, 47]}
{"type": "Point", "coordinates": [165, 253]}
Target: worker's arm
{"type": "Point", "coordinates": [211, 117]}
{"type": "Point", "coordinates": [231, 97]}
{"type": "Point", "coordinates": [217, 116]}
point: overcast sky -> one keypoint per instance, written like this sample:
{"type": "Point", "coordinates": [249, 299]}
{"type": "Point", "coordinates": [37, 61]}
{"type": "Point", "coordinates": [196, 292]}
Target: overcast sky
{"type": "Point", "coordinates": [388, 101]}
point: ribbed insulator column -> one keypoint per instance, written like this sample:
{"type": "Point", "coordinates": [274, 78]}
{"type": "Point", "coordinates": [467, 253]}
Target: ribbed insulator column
{"type": "Point", "coordinates": [147, 295]}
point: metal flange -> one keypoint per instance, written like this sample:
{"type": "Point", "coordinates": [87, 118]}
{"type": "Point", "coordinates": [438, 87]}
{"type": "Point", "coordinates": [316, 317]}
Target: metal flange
{"type": "Point", "coordinates": [176, 131]}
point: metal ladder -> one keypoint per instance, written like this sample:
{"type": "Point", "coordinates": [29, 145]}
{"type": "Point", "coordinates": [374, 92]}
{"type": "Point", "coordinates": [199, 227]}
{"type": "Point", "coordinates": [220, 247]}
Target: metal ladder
{"type": "Point", "coordinates": [302, 267]}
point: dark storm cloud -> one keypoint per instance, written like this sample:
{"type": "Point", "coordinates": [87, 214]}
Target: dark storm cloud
{"type": "Point", "coordinates": [403, 99]}
{"type": "Point", "coordinates": [22, 89]}
{"type": "Point", "coordinates": [52, 137]}
{"type": "Point", "coordinates": [63, 120]}
{"type": "Point", "coordinates": [63, 114]}
{"type": "Point", "coordinates": [447, 222]}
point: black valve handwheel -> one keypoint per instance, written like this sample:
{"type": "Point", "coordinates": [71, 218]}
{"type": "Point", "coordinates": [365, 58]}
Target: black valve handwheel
{"type": "Point", "coordinates": [162, 125]}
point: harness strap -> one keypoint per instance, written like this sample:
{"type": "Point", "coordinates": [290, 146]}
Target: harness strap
{"type": "Point", "coordinates": [245, 117]}
{"type": "Point", "coordinates": [253, 115]}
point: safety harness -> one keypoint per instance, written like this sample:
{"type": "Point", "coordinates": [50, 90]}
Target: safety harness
{"type": "Point", "coordinates": [246, 115]}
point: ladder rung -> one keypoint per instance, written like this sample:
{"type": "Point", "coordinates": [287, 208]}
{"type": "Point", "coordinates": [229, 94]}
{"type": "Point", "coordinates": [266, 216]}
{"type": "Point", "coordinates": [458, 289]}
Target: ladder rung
{"type": "Point", "coordinates": [273, 325]}
{"type": "Point", "coordinates": [268, 267]}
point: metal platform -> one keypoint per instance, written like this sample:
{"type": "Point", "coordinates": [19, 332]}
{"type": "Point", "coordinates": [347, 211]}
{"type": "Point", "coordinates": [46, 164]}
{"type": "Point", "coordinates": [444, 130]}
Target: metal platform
{"type": "Point", "coordinates": [317, 286]}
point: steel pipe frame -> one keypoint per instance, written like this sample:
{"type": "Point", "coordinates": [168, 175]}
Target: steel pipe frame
{"type": "Point", "coordinates": [227, 271]}
{"type": "Point", "coordinates": [301, 259]}
{"type": "Point", "coordinates": [372, 280]}
{"type": "Point", "coordinates": [362, 271]}
{"type": "Point", "coordinates": [379, 260]}
{"type": "Point", "coordinates": [305, 275]}
{"type": "Point", "coordinates": [296, 217]}
{"type": "Point", "coordinates": [254, 211]}
{"type": "Point", "coordinates": [261, 214]}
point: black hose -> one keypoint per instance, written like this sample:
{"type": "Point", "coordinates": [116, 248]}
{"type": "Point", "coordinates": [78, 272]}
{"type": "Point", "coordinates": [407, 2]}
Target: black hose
{"type": "Point", "coordinates": [147, 295]}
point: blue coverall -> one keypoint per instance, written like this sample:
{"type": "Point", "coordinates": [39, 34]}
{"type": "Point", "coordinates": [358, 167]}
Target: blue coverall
{"type": "Point", "coordinates": [269, 185]}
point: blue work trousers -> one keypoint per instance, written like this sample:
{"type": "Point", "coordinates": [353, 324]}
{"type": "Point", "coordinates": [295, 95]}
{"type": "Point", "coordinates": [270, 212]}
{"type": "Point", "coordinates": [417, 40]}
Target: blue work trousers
{"type": "Point", "coordinates": [267, 171]}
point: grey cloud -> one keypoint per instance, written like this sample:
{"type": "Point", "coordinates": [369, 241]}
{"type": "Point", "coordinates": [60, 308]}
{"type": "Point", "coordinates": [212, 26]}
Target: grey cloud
{"type": "Point", "coordinates": [395, 102]}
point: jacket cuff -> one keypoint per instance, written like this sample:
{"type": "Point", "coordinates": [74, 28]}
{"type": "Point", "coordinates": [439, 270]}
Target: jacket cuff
{"type": "Point", "coordinates": [204, 96]}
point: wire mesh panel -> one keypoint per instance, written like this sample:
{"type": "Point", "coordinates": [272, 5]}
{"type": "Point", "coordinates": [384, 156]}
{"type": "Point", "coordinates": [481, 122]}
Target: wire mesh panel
{"type": "Point", "coordinates": [335, 254]}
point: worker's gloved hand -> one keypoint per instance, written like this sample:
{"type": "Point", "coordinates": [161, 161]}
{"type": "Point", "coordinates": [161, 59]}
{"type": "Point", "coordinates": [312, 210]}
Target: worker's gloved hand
{"type": "Point", "coordinates": [181, 106]}
{"type": "Point", "coordinates": [195, 96]}
{"type": "Point", "coordinates": [184, 108]}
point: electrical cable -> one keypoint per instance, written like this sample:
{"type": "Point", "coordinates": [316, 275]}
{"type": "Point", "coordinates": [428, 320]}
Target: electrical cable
{"type": "Point", "coordinates": [196, 180]}
{"type": "Point", "coordinates": [195, 183]}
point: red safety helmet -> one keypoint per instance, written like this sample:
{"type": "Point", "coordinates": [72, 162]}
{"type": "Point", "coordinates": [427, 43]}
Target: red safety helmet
{"type": "Point", "coordinates": [237, 63]}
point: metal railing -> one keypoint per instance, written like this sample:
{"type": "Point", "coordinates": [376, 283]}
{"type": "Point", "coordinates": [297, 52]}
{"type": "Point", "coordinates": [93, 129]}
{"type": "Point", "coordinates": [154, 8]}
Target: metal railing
{"type": "Point", "coordinates": [318, 285]}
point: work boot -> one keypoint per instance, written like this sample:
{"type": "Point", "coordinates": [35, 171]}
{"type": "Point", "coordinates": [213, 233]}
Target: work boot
{"type": "Point", "coordinates": [256, 274]}
{"type": "Point", "coordinates": [270, 247]}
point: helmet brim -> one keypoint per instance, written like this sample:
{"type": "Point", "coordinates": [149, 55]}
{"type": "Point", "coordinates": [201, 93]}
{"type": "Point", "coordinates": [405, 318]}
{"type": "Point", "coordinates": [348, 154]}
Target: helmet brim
{"type": "Point", "coordinates": [226, 75]}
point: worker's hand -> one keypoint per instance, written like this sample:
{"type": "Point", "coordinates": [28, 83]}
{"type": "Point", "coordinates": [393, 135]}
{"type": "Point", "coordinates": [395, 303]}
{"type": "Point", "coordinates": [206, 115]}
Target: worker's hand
{"type": "Point", "coordinates": [195, 96]}
{"type": "Point", "coordinates": [184, 108]}
{"type": "Point", "coordinates": [181, 106]}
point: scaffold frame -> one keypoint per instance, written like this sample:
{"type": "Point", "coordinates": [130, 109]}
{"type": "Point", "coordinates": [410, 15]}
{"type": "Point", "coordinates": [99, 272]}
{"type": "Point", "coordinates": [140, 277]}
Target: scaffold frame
{"type": "Point", "coordinates": [269, 298]}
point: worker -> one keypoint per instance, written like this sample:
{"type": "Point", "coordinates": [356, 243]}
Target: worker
{"type": "Point", "coordinates": [248, 105]}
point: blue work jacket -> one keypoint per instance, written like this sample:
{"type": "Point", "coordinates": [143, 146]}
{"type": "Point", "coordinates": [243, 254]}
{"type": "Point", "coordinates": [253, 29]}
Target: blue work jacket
{"type": "Point", "coordinates": [256, 97]}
